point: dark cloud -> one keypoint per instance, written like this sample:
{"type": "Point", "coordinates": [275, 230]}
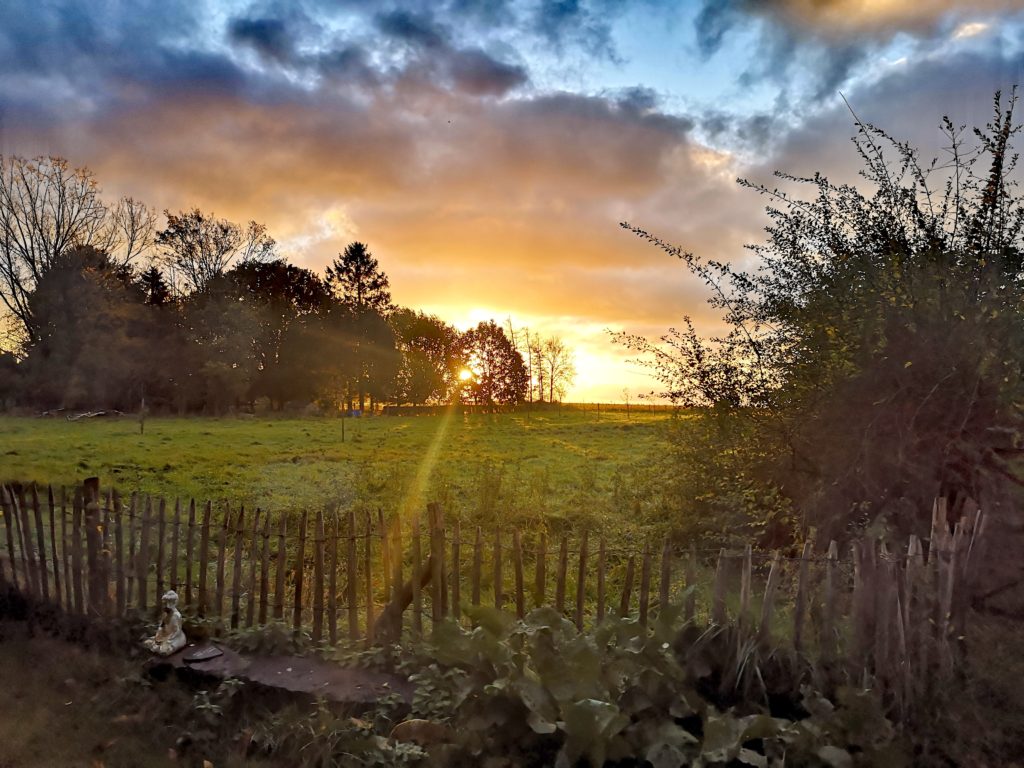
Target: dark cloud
{"type": "Point", "coordinates": [269, 37]}
{"type": "Point", "coordinates": [412, 28]}
{"type": "Point", "coordinates": [574, 22]}
{"type": "Point", "coordinates": [475, 72]}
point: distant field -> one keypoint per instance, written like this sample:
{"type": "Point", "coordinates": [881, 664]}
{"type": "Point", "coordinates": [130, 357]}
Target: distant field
{"type": "Point", "coordinates": [569, 470]}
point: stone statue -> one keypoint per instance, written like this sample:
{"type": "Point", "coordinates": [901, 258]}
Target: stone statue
{"type": "Point", "coordinates": [170, 638]}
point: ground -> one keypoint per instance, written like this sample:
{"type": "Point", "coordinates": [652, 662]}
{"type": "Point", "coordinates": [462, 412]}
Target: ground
{"type": "Point", "coordinates": [570, 469]}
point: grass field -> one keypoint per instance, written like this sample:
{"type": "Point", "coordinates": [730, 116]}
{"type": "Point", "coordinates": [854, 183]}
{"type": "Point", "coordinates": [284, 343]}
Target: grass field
{"type": "Point", "coordinates": [568, 470]}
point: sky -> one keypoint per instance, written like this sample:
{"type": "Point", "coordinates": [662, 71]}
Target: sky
{"type": "Point", "coordinates": [487, 151]}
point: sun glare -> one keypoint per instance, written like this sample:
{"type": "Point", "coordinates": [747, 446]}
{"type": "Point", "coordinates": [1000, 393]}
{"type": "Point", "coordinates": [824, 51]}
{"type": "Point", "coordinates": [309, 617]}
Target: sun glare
{"type": "Point", "coordinates": [465, 374]}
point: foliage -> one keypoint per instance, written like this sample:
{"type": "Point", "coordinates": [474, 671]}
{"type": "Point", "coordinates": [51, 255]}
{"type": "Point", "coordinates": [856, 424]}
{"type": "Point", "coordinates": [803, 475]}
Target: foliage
{"type": "Point", "coordinates": [499, 373]}
{"type": "Point", "coordinates": [356, 280]}
{"type": "Point", "coordinates": [875, 354]}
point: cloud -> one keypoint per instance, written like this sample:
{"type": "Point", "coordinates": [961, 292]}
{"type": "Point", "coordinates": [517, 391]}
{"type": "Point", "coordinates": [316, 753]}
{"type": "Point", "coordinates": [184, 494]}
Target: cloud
{"type": "Point", "coordinates": [269, 37]}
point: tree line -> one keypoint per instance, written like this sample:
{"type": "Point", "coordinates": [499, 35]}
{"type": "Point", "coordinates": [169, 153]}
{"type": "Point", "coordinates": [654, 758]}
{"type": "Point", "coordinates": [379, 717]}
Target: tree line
{"type": "Point", "coordinates": [107, 309]}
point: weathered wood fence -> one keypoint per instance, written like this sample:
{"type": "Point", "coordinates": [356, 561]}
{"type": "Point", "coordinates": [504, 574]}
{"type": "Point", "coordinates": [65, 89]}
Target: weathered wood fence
{"type": "Point", "coordinates": [367, 576]}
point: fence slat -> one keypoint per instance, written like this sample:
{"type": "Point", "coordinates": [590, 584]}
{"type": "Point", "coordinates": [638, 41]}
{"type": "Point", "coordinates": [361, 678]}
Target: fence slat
{"type": "Point", "coordinates": [161, 528]}
{"type": "Point", "coordinates": [385, 554]}
{"type": "Point", "coordinates": [8, 515]}
{"type": "Point", "coordinates": [499, 591]}
{"type": "Point", "coordinates": [581, 582]}
{"type": "Point", "coordinates": [142, 561]}
{"type": "Point", "coordinates": [37, 513]}
{"type": "Point", "coordinates": [397, 555]}
{"type": "Point", "coordinates": [828, 625]}
{"type": "Point", "coordinates": [27, 548]}
{"type": "Point", "coordinates": [189, 544]}
{"type": "Point", "coordinates": [236, 571]}
{"type": "Point", "coordinates": [478, 556]}
{"type": "Point", "coordinates": [436, 564]}
{"type": "Point", "coordinates": [417, 570]}
{"type": "Point", "coordinates": [204, 559]}
{"type": "Point", "coordinates": [666, 577]}
{"type": "Point", "coordinates": [173, 565]}
{"type": "Point", "coordinates": [627, 587]}
{"type": "Point", "coordinates": [222, 553]}
{"type": "Point", "coordinates": [280, 567]}
{"type": "Point", "coordinates": [120, 600]}
{"type": "Point", "coordinates": [351, 595]}
{"type": "Point", "coordinates": [718, 614]}
{"type": "Point", "coordinates": [690, 604]}
{"type": "Point", "coordinates": [563, 567]}
{"type": "Point", "coordinates": [332, 590]}
{"type": "Point", "coordinates": [131, 564]}
{"type": "Point", "coordinates": [300, 570]}
{"type": "Point", "coordinates": [540, 574]}
{"type": "Point", "coordinates": [254, 559]}
{"type": "Point", "coordinates": [318, 578]}
{"type": "Point", "coordinates": [368, 573]}
{"type": "Point", "coordinates": [645, 585]}
{"type": "Point", "coordinates": [800, 608]}
{"type": "Point", "coordinates": [600, 580]}
{"type": "Point", "coordinates": [768, 603]}
{"type": "Point", "coordinates": [53, 546]}
{"type": "Point", "coordinates": [746, 574]}
{"type": "Point", "coordinates": [456, 571]}
{"type": "Point", "coordinates": [76, 551]}
{"type": "Point", "coordinates": [517, 567]}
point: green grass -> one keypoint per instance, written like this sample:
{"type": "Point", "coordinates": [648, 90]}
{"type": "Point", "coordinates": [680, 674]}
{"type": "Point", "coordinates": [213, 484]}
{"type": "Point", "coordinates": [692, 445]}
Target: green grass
{"type": "Point", "coordinates": [563, 470]}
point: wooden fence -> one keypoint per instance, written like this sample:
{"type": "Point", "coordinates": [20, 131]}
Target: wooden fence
{"type": "Point", "coordinates": [366, 576]}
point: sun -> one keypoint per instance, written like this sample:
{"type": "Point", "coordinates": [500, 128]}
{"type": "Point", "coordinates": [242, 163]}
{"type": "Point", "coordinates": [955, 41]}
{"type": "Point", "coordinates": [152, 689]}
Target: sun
{"type": "Point", "coordinates": [465, 374]}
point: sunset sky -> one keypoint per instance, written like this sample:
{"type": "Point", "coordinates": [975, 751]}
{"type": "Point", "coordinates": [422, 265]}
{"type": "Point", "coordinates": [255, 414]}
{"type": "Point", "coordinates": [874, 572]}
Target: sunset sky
{"type": "Point", "coordinates": [486, 151]}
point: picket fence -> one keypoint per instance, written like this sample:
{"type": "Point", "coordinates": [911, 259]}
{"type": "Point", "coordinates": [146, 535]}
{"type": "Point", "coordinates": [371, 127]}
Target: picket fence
{"type": "Point", "coordinates": [366, 577]}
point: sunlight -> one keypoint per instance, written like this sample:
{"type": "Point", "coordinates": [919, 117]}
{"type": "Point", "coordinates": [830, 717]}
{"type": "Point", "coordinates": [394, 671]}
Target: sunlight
{"type": "Point", "coordinates": [465, 374]}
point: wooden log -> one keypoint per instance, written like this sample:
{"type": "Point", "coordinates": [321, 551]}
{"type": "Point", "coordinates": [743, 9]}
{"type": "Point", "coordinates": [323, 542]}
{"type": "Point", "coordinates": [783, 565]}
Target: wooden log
{"type": "Point", "coordinates": [388, 627]}
{"type": "Point", "coordinates": [332, 589]}
{"type": "Point", "coordinates": [746, 574]}
{"type": "Point", "coordinates": [189, 544]}
{"type": "Point", "coordinates": [37, 514]}
{"type": "Point", "coordinates": [802, 586]}
{"type": "Point", "coordinates": [222, 553]}
{"type": "Point", "coordinates": [666, 577]}
{"type": "Point", "coordinates": [9, 535]}
{"type": "Point", "coordinates": [768, 603]}
{"type": "Point", "coordinates": [563, 567]}
{"type": "Point", "coordinates": [318, 578]}
{"type": "Point", "coordinates": [600, 580]}
{"type": "Point", "coordinates": [353, 579]}
{"type": "Point", "coordinates": [254, 558]}
{"type": "Point", "coordinates": [690, 604]}
{"type": "Point", "coordinates": [436, 554]}
{"type": "Point", "coordinates": [581, 582]}
{"type": "Point", "coordinates": [204, 559]}
{"type": "Point", "coordinates": [718, 613]}
{"type": "Point", "coordinates": [517, 568]}
{"type": "Point", "coordinates": [236, 571]}
{"type": "Point", "coordinates": [417, 596]}
{"type": "Point", "coordinates": [645, 585]}
{"type": "Point", "coordinates": [173, 565]}
{"type": "Point", "coordinates": [120, 596]}
{"type": "Point", "coordinates": [540, 572]}
{"type": "Point", "coordinates": [368, 573]}
{"type": "Point", "coordinates": [300, 571]}
{"type": "Point", "coordinates": [76, 552]}
{"type": "Point", "coordinates": [280, 568]}
{"type": "Point", "coordinates": [456, 571]}
{"type": "Point", "coordinates": [627, 587]}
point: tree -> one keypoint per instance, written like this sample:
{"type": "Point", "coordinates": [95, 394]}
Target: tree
{"type": "Point", "coordinates": [432, 358]}
{"type": "Point", "coordinates": [154, 287]}
{"type": "Point", "coordinates": [198, 247]}
{"type": "Point", "coordinates": [356, 280]}
{"type": "Point", "coordinates": [875, 357]}
{"type": "Point", "coordinates": [500, 375]}
{"type": "Point", "coordinates": [46, 209]}
{"type": "Point", "coordinates": [556, 369]}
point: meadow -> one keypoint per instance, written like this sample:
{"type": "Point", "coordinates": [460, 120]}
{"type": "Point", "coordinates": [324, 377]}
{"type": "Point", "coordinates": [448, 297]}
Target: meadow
{"type": "Point", "coordinates": [563, 470]}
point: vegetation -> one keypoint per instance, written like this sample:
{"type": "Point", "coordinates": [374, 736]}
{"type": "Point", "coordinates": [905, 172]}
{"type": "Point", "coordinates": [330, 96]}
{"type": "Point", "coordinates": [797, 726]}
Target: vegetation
{"type": "Point", "coordinates": [566, 470]}
{"type": "Point", "coordinates": [874, 356]}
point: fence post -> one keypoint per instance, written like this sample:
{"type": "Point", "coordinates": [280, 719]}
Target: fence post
{"type": "Point", "coordinates": [368, 576]}
{"type": "Point", "coordinates": [718, 614]}
{"type": "Point", "coordinates": [281, 568]}
{"type": "Point", "coordinates": [601, 553]}
{"type": "Point", "coordinates": [161, 529]}
{"type": "Point", "coordinates": [189, 543]}
{"type": "Point", "coordinates": [627, 587]}
{"type": "Point", "coordinates": [120, 603]}
{"type": "Point", "coordinates": [173, 579]}
{"type": "Point", "coordinates": [563, 565]}
{"type": "Point", "coordinates": [499, 592]}
{"type": "Point", "coordinates": [351, 593]}
{"type": "Point", "coordinates": [41, 543]}
{"type": "Point", "coordinates": [222, 553]}
{"type": "Point", "coordinates": [540, 568]}
{"type": "Point", "coordinates": [332, 588]}
{"type": "Point", "coordinates": [801, 597]}
{"type": "Point", "coordinates": [645, 584]}
{"type": "Point", "coordinates": [53, 547]}
{"type": "Point", "coordinates": [254, 558]}
{"type": "Point", "coordinates": [204, 558]}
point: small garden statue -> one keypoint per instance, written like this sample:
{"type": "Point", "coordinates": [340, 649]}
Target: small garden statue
{"type": "Point", "coordinates": [170, 637]}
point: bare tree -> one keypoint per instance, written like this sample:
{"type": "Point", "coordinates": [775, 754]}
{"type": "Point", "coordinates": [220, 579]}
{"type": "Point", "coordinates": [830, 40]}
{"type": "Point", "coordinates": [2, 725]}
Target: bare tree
{"type": "Point", "coordinates": [556, 360]}
{"type": "Point", "coordinates": [46, 208]}
{"type": "Point", "coordinates": [198, 247]}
